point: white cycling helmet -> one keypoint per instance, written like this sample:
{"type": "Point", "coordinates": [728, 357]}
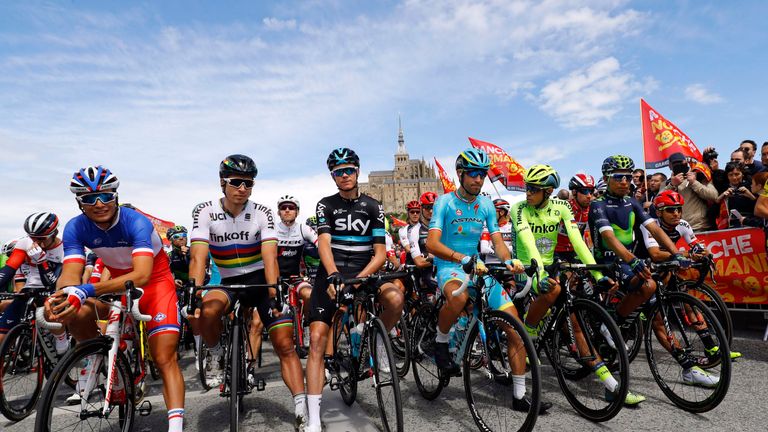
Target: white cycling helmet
{"type": "Point", "coordinates": [9, 246]}
{"type": "Point", "coordinates": [288, 199]}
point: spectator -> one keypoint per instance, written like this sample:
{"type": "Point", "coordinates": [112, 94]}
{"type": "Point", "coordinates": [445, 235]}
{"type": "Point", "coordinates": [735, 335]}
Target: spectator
{"type": "Point", "coordinates": [719, 179]}
{"type": "Point", "coordinates": [738, 197]}
{"type": "Point", "coordinates": [655, 183]}
{"type": "Point", "coordinates": [638, 178]}
{"type": "Point", "coordinates": [696, 189]}
{"type": "Point", "coordinates": [564, 194]}
{"type": "Point", "coordinates": [737, 155]}
{"type": "Point", "coordinates": [749, 148]}
{"type": "Point", "coordinates": [759, 187]}
{"type": "Point", "coordinates": [764, 156]}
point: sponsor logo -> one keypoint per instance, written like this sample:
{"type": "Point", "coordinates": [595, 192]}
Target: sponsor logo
{"type": "Point", "coordinates": [543, 229]}
{"type": "Point", "coordinates": [458, 212]}
{"type": "Point", "coordinates": [242, 235]}
{"type": "Point", "coordinates": [218, 216]}
{"type": "Point", "coordinates": [97, 241]}
{"type": "Point", "coordinates": [159, 317]}
{"type": "Point", "coordinates": [289, 252]}
{"type": "Point", "coordinates": [544, 244]}
{"type": "Point", "coordinates": [247, 216]}
{"type": "Point", "coordinates": [350, 224]}
{"type": "Point", "coordinates": [468, 219]}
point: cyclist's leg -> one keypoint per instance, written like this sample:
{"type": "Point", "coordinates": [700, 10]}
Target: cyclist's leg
{"type": "Point", "coordinates": [540, 306]}
{"type": "Point", "coordinates": [82, 325]}
{"type": "Point", "coordinates": [321, 310]}
{"type": "Point", "coordinates": [450, 279]}
{"type": "Point", "coordinates": [11, 316]}
{"type": "Point", "coordinates": [499, 300]}
{"type": "Point", "coordinates": [305, 291]}
{"type": "Point", "coordinates": [392, 300]}
{"type": "Point", "coordinates": [254, 335]}
{"type": "Point", "coordinates": [638, 291]}
{"type": "Point", "coordinates": [215, 304]}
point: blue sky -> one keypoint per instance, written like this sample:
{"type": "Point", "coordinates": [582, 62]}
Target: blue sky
{"type": "Point", "coordinates": [160, 92]}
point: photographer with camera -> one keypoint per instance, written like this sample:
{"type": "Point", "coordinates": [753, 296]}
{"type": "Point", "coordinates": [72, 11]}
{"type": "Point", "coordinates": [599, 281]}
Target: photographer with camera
{"type": "Point", "coordinates": [696, 188]}
{"type": "Point", "coordinates": [739, 199]}
{"type": "Point", "coordinates": [719, 179]}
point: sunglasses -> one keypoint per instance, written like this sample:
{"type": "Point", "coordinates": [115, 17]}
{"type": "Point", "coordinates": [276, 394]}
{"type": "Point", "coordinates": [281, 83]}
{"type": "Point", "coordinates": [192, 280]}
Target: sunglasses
{"type": "Point", "coordinates": [45, 237]}
{"type": "Point", "coordinates": [621, 177]}
{"type": "Point", "coordinates": [179, 236]}
{"type": "Point", "coordinates": [426, 207]}
{"type": "Point", "coordinates": [532, 189]}
{"type": "Point", "coordinates": [474, 173]}
{"type": "Point", "coordinates": [237, 182]}
{"type": "Point", "coordinates": [341, 172]}
{"type": "Point", "coordinates": [287, 207]}
{"type": "Point", "coordinates": [414, 211]}
{"type": "Point", "coordinates": [673, 210]}
{"type": "Point", "coordinates": [586, 191]}
{"type": "Point", "coordinates": [91, 199]}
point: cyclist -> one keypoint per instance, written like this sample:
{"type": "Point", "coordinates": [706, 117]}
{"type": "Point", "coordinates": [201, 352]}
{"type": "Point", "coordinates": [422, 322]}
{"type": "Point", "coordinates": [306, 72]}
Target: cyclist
{"type": "Point", "coordinates": [414, 211]}
{"type": "Point", "coordinates": [178, 257]}
{"type": "Point", "coordinates": [292, 239]}
{"type": "Point", "coordinates": [505, 228]}
{"type": "Point", "coordinates": [417, 239]}
{"type": "Point", "coordinates": [35, 261]}
{"type": "Point", "coordinates": [351, 244]}
{"type": "Point", "coordinates": [240, 235]}
{"type": "Point", "coordinates": [582, 187]}
{"type": "Point", "coordinates": [454, 232]}
{"type": "Point", "coordinates": [132, 251]}
{"type": "Point", "coordinates": [8, 285]}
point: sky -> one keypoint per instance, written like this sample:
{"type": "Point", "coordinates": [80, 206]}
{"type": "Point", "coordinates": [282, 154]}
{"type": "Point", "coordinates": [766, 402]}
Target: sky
{"type": "Point", "coordinates": [161, 92]}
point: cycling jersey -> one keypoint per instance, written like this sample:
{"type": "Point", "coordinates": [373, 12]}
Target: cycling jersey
{"type": "Point", "coordinates": [461, 223]}
{"type": "Point", "coordinates": [234, 242]}
{"type": "Point", "coordinates": [389, 244]}
{"type": "Point", "coordinates": [179, 263]}
{"type": "Point", "coordinates": [486, 245]}
{"type": "Point", "coordinates": [619, 215]}
{"type": "Point", "coordinates": [581, 217]}
{"type": "Point", "coordinates": [681, 230]}
{"type": "Point", "coordinates": [130, 235]}
{"type": "Point", "coordinates": [417, 239]}
{"type": "Point", "coordinates": [404, 234]}
{"type": "Point", "coordinates": [291, 246]}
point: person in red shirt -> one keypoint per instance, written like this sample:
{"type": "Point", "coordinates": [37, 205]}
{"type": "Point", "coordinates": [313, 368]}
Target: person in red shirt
{"type": "Point", "coordinates": [582, 188]}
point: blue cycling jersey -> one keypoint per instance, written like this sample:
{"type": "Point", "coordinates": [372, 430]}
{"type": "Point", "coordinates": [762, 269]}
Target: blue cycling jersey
{"type": "Point", "coordinates": [461, 223]}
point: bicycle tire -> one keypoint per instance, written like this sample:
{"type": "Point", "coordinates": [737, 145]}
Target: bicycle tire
{"type": "Point", "coordinates": [673, 303]}
{"type": "Point", "coordinates": [585, 392]}
{"type": "Point", "coordinates": [384, 378]}
{"type": "Point", "coordinates": [714, 302]}
{"type": "Point", "coordinates": [18, 340]}
{"type": "Point", "coordinates": [51, 393]}
{"type": "Point", "coordinates": [203, 364]}
{"type": "Point", "coordinates": [401, 347]}
{"type": "Point", "coordinates": [425, 371]}
{"type": "Point", "coordinates": [344, 363]}
{"type": "Point", "coordinates": [482, 388]}
{"type": "Point", "coordinates": [234, 378]}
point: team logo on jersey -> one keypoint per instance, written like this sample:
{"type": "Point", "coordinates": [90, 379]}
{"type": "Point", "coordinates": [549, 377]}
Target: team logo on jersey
{"type": "Point", "coordinates": [350, 224]}
{"type": "Point", "coordinates": [96, 241]}
{"type": "Point", "coordinates": [544, 244]}
{"type": "Point", "coordinates": [458, 212]}
{"type": "Point", "coordinates": [159, 317]}
{"type": "Point", "coordinates": [477, 206]}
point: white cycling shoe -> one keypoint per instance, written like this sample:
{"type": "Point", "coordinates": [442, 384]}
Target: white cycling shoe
{"type": "Point", "coordinates": [699, 377]}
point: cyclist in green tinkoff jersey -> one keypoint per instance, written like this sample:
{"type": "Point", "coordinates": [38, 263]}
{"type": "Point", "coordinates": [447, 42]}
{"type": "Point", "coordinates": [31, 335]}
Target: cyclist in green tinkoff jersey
{"type": "Point", "coordinates": [543, 217]}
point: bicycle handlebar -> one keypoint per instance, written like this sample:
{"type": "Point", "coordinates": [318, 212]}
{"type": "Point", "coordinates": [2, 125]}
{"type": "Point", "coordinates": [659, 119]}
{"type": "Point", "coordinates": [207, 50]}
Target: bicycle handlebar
{"type": "Point", "coordinates": [497, 272]}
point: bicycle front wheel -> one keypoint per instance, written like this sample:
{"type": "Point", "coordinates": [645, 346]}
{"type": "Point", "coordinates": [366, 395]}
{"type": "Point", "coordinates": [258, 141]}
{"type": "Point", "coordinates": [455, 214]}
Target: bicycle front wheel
{"type": "Point", "coordinates": [344, 364]}
{"type": "Point", "coordinates": [425, 371]}
{"type": "Point", "coordinates": [713, 301]}
{"type": "Point", "coordinates": [694, 335]}
{"type": "Point", "coordinates": [21, 372]}
{"type": "Point", "coordinates": [401, 346]}
{"type": "Point", "coordinates": [385, 378]}
{"type": "Point", "coordinates": [490, 388]}
{"type": "Point", "coordinates": [85, 409]}
{"type": "Point", "coordinates": [236, 375]}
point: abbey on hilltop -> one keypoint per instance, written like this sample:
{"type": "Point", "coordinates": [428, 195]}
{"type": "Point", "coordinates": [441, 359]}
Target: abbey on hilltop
{"type": "Point", "coordinates": [409, 179]}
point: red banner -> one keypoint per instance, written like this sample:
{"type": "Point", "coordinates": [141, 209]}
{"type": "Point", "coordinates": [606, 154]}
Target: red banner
{"type": "Point", "coordinates": [397, 222]}
{"type": "Point", "coordinates": [662, 138]}
{"type": "Point", "coordinates": [740, 262]}
{"type": "Point", "coordinates": [161, 226]}
{"type": "Point", "coordinates": [448, 185]}
{"type": "Point", "coordinates": [504, 168]}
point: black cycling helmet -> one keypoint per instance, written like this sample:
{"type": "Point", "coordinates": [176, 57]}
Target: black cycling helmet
{"type": "Point", "coordinates": [341, 156]}
{"type": "Point", "coordinates": [175, 230]}
{"type": "Point", "coordinates": [237, 164]}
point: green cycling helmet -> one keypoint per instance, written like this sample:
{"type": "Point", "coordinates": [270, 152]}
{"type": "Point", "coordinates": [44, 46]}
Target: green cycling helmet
{"type": "Point", "coordinates": [543, 176]}
{"type": "Point", "coordinates": [473, 159]}
{"type": "Point", "coordinates": [178, 229]}
{"type": "Point", "coordinates": [616, 163]}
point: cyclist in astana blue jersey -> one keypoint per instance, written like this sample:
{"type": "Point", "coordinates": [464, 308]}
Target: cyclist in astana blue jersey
{"type": "Point", "coordinates": [454, 233]}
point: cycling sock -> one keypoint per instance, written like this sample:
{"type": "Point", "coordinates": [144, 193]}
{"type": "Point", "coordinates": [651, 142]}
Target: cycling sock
{"type": "Point", "coordinates": [518, 386]}
{"type": "Point", "coordinates": [605, 376]}
{"type": "Point", "coordinates": [313, 406]}
{"type": "Point", "coordinates": [175, 420]}
{"type": "Point", "coordinates": [197, 341]}
{"type": "Point", "coordinates": [706, 338]}
{"type": "Point", "coordinates": [441, 337]}
{"type": "Point", "coordinates": [300, 404]}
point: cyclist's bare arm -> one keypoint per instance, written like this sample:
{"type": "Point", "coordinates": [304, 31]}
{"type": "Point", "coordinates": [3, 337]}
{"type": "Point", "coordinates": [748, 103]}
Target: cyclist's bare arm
{"type": "Point", "coordinates": [440, 250]}
{"type": "Point", "coordinates": [271, 270]}
{"type": "Point", "coordinates": [326, 254]}
{"type": "Point", "coordinates": [379, 256]}
{"type": "Point", "coordinates": [197, 261]}
{"type": "Point", "coordinates": [660, 236]}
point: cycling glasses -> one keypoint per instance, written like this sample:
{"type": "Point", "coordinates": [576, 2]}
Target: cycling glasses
{"type": "Point", "coordinates": [340, 172]}
{"type": "Point", "coordinates": [474, 173]}
{"type": "Point", "coordinates": [672, 209]}
{"type": "Point", "coordinates": [426, 207]}
{"type": "Point", "coordinates": [237, 182]}
{"type": "Point", "coordinates": [622, 177]}
{"type": "Point", "coordinates": [414, 211]}
{"type": "Point", "coordinates": [585, 191]}
{"type": "Point", "coordinates": [532, 189]}
{"type": "Point", "coordinates": [179, 236]}
{"type": "Point", "coordinates": [91, 199]}
{"type": "Point", "coordinates": [287, 207]}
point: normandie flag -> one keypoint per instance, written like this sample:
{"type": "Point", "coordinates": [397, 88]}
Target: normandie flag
{"type": "Point", "coordinates": [448, 185]}
{"type": "Point", "coordinates": [662, 138]}
{"type": "Point", "coordinates": [504, 168]}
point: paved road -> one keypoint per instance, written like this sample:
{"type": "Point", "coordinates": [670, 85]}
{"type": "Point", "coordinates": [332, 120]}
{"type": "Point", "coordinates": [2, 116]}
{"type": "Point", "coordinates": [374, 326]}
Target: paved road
{"type": "Point", "coordinates": [271, 410]}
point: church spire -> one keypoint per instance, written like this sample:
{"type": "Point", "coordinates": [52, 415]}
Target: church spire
{"type": "Point", "coordinates": [400, 140]}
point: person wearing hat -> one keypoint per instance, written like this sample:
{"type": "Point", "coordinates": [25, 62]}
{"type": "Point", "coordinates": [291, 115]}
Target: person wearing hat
{"type": "Point", "coordinates": [695, 185]}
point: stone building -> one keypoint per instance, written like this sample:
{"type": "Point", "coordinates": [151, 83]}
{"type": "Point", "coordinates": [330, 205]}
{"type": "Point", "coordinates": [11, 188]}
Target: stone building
{"type": "Point", "coordinates": [409, 179]}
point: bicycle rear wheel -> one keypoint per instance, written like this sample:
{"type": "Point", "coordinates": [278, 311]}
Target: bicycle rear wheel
{"type": "Point", "coordinates": [385, 378]}
{"type": "Point", "coordinates": [401, 346]}
{"type": "Point", "coordinates": [598, 341]}
{"type": "Point", "coordinates": [21, 372]}
{"type": "Point", "coordinates": [236, 376]}
{"type": "Point", "coordinates": [693, 329]}
{"type": "Point", "coordinates": [88, 362]}
{"type": "Point", "coordinates": [425, 371]}
{"type": "Point", "coordinates": [344, 364]}
{"type": "Point", "coordinates": [713, 301]}
{"type": "Point", "coordinates": [489, 389]}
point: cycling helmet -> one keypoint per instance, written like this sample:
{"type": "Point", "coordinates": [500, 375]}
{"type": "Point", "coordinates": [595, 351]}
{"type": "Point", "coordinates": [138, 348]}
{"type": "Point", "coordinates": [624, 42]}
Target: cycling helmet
{"type": "Point", "coordinates": [41, 224]}
{"type": "Point", "coordinates": [175, 230]}
{"type": "Point", "coordinates": [8, 246]}
{"type": "Point", "coordinates": [341, 156]}
{"type": "Point", "coordinates": [93, 179]}
{"type": "Point", "coordinates": [312, 221]}
{"type": "Point", "coordinates": [501, 204]}
{"type": "Point", "coordinates": [288, 199]}
{"type": "Point", "coordinates": [601, 186]}
{"type": "Point", "coordinates": [581, 181]}
{"type": "Point", "coordinates": [617, 162]}
{"type": "Point", "coordinates": [543, 176]}
{"type": "Point", "coordinates": [668, 198]}
{"type": "Point", "coordinates": [237, 164]}
{"type": "Point", "coordinates": [473, 158]}
{"type": "Point", "coordinates": [428, 198]}
{"type": "Point", "coordinates": [413, 205]}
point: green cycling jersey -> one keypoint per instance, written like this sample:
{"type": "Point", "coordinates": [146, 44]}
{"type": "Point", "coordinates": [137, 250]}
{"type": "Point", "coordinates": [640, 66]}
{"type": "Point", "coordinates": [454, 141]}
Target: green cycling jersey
{"type": "Point", "coordinates": [535, 232]}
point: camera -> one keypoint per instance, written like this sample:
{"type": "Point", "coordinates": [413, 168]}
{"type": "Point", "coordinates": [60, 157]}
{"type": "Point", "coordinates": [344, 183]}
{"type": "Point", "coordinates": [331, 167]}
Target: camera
{"type": "Point", "coordinates": [709, 155]}
{"type": "Point", "coordinates": [680, 168]}
{"type": "Point", "coordinates": [735, 190]}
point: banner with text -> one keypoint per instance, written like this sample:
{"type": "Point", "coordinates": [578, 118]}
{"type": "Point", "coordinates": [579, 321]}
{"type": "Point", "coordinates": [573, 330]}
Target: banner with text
{"type": "Point", "coordinates": [448, 185]}
{"type": "Point", "coordinates": [504, 167]}
{"type": "Point", "coordinates": [741, 267]}
{"type": "Point", "coordinates": [662, 138]}
{"type": "Point", "coordinates": [161, 226]}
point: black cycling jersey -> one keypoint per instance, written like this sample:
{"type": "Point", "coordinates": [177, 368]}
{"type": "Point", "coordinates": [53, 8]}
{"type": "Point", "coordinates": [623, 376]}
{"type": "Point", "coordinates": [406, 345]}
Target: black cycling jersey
{"type": "Point", "coordinates": [179, 263]}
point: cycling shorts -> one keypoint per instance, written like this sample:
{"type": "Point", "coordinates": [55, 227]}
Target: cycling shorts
{"type": "Point", "coordinates": [11, 315]}
{"type": "Point", "coordinates": [498, 298]}
{"type": "Point", "coordinates": [160, 302]}
{"type": "Point", "coordinates": [258, 298]}
{"type": "Point", "coordinates": [321, 306]}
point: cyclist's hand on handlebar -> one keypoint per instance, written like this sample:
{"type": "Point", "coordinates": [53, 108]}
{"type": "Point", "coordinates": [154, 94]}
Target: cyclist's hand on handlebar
{"type": "Point", "coordinates": [514, 265]}
{"type": "Point", "coordinates": [473, 264]}
{"type": "Point", "coordinates": [347, 295]}
{"type": "Point", "coordinates": [608, 284]}
{"type": "Point", "coordinates": [546, 284]}
{"type": "Point", "coordinates": [683, 261]}
{"type": "Point", "coordinates": [66, 302]}
{"type": "Point", "coordinates": [276, 307]}
{"type": "Point", "coordinates": [639, 268]}
{"type": "Point", "coordinates": [335, 282]}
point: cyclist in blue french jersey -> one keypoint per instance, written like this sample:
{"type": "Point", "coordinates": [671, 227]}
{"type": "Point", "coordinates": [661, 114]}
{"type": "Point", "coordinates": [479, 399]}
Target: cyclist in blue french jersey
{"type": "Point", "coordinates": [453, 238]}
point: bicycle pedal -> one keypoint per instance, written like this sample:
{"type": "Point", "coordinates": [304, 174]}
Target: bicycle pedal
{"type": "Point", "coordinates": [334, 384]}
{"type": "Point", "coordinates": [145, 408]}
{"type": "Point", "coordinates": [260, 385]}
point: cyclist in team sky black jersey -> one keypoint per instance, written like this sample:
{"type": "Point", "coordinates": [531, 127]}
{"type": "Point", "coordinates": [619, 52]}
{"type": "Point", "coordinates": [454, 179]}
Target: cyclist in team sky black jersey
{"type": "Point", "coordinates": [351, 243]}
{"type": "Point", "coordinates": [132, 251]}
{"type": "Point", "coordinates": [241, 237]}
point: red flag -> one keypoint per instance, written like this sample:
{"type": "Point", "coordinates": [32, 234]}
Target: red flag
{"type": "Point", "coordinates": [448, 185]}
{"type": "Point", "coordinates": [161, 226]}
{"type": "Point", "coordinates": [662, 138]}
{"type": "Point", "coordinates": [398, 222]}
{"type": "Point", "coordinates": [504, 168]}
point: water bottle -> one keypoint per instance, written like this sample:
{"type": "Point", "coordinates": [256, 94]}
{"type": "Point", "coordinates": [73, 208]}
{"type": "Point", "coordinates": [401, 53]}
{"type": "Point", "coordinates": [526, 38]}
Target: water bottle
{"type": "Point", "coordinates": [354, 335]}
{"type": "Point", "coordinates": [607, 335]}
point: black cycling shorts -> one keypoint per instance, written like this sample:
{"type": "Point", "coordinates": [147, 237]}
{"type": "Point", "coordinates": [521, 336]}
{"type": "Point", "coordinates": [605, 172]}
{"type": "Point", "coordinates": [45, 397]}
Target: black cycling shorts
{"type": "Point", "coordinates": [258, 298]}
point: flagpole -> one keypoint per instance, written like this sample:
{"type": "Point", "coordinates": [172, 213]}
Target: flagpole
{"type": "Point", "coordinates": [642, 136]}
{"type": "Point", "coordinates": [496, 189]}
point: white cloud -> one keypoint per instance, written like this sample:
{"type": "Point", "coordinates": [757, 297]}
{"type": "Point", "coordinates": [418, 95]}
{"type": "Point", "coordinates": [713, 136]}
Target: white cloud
{"type": "Point", "coordinates": [277, 24]}
{"type": "Point", "coordinates": [700, 94]}
{"type": "Point", "coordinates": [589, 95]}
